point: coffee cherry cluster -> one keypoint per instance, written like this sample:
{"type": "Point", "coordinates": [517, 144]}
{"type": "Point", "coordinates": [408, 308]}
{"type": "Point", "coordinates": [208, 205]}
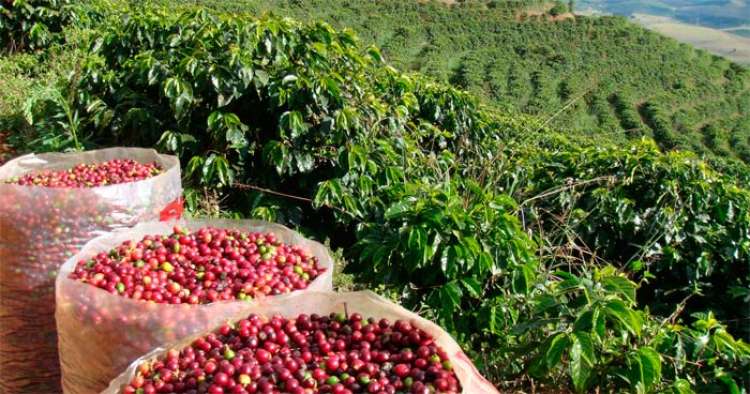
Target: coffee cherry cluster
{"type": "Point", "coordinates": [309, 354]}
{"type": "Point", "coordinates": [200, 267]}
{"type": "Point", "coordinates": [91, 175]}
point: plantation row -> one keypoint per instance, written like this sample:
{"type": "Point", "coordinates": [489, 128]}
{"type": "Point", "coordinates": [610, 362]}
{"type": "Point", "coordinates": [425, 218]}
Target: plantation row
{"type": "Point", "coordinates": [553, 260]}
{"type": "Point", "coordinates": [511, 55]}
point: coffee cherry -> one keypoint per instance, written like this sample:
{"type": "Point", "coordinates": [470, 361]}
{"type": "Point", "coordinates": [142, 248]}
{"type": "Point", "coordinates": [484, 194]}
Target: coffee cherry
{"type": "Point", "coordinates": [90, 175]}
{"type": "Point", "coordinates": [268, 364]}
{"type": "Point", "coordinates": [201, 267]}
{"type": "Point", "coordinates": [44, 222]}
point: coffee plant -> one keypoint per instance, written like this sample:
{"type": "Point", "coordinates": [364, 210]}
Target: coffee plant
{"type": "Point", "coordinates": [683, 227]}
{"type": "Point", "coordinates": [31, 24]}
{"type": "Point", "coordinates": [538, 253]}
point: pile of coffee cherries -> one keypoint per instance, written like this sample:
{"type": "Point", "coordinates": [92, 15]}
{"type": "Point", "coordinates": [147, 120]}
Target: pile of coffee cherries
{"type": "Point", "coordinates": [200, 267]}
{"type": "Point", "coordinates": [40, 228]}
{"type": "Point", "coordinates": [91, 175]}
{"type": "Point", "coordinates": [304, 355]}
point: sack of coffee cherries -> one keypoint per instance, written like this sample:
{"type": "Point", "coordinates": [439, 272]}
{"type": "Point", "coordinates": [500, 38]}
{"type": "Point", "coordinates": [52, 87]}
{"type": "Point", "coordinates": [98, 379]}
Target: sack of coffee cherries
{"type": "Point", "coordinates": [130, 291]}
{"type": "Point", "coordinates": [50, 206]}
{"type": "Point", "coordinates": [316, 342]}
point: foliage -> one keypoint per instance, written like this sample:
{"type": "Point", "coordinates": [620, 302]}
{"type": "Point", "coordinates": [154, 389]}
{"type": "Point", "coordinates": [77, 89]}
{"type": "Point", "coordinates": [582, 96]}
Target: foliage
{"type": "Point", "coordinates": [499, 55]}
{"type": "Point", "coordinates": [704, 344]}
{"type": "Point", "coordinates": [434, 199]}
{"type": "Point", "coordinates": [558, 9]}
{"type": "Point", "coordinates": [683, 226]}
{"type": "Point", "coordinates": [31, 24]}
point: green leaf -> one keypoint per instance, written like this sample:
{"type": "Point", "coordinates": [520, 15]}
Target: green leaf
{"type": "Point", "coordinates": [628, 318]}
{"type": "Point", "coordinates": [473, 286]}
{"type": "Point", "coordinates": [236, 137]}
{"type": "Point", "coordinates": [555, 350]}
{"type": "Point", "coordinates": [586, 321]}
{"type": "Point", "coordinates": [731, 384]}
{"type": "Point", "coordinates": [261, 78]}
{"type": "Point", "coordinates": [374, 53]}
{"type": "Point", "coordinates": [288, 79]}
{"type": "Point", "coordinates": [274, 152]}
{"type": "Point", "coordinates": [451, 292]}
{"type": "Point", "coordinates": [246, 74]}
{"type": "Point", "coordinates": [292, 122]}
{"type": "Point", "coordinates": [682, 386]}
{"type": "Point", "coordinates": [208, 169]}
{"type": "Point", "coordinates": [214, 120]}
{"type": "Point", "coordinates": [195, 163]}
{"type": "Point", "coordinates": [544, 302]}
{"type": "Point", "coordinates": [587, 346]}
{"type": "Point", "coordinates": [169, 141]}
{"type": "Point", "coordinates": [486, 264]}
{"type": "Point", "coordinates": [321, 195]}
{"type": "Point", "coordinates": [416, 240]}
{"type": "Point", "coordinates": [429, 252]}
{"type": "Point", "coordinates": [569, 281]}
{"type": "Point", "coordinates": [223, 171]}
{"type": "Point", "coordinates": [398, 209]}
{"type": "Point", "coordinates": [305, 162]}
{"type": "Point", "coordinates": [645, 368]}
{"type": "Point", "coordinates": [580, 367]}
{"type": "Point", "coordinates": [523, 279]}
{"type": "Point", "coordinates": [182, 103]}
{"type": "Point", "coordinates": [622, 286]}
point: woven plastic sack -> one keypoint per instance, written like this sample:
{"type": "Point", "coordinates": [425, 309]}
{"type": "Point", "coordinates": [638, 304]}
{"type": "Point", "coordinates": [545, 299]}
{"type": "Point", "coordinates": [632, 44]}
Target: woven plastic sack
{"type": "Point", "coordinates": [100, 333]}
{"type": "Point", "coordinates": [40, 228]}
{"type": "Point", "coordinates": [366, 303]}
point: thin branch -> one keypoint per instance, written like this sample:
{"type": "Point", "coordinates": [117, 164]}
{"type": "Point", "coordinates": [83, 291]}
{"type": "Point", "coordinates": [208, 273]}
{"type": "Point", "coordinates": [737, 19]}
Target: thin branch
{"type": "Point", "coordinates": [561, 189]}
{"type": "Point", "coordinates": [244, 186]}
{"type": "Point", "coordinates": [677, 311]}
{"type": "Point", "coordinates": [564, 107]}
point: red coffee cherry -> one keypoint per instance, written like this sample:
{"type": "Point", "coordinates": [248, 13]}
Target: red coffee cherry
{"type": "Point", "coordinates": [201, 267]}
{"type": "Point", "coordinates": [227, 361]}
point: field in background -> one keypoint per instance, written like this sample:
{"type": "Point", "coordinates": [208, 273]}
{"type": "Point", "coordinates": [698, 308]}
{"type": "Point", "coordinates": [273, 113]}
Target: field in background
{"type": "Point", "coordinates": [720, 42]}
{"type": "Point", "coordinates": [721, 27]}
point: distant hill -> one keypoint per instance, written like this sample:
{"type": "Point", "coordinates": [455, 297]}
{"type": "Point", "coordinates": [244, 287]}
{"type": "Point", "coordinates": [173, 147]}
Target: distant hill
{"type": "Point", "coordinates": [724, 42]}
{"type": "Point", "coordinates": [719, 14]}
{"type": "Point", "coordinates": [615, 79]}
{"type": "Point", "coordinates": [718, 26]}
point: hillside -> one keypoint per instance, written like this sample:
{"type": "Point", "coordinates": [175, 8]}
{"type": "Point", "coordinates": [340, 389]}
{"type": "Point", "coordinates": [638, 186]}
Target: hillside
{"type": "Point", "coordinates": [622, 80]}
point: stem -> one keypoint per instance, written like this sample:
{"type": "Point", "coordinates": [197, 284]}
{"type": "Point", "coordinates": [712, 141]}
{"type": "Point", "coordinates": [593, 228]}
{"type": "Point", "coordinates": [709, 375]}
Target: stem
{"type": "Point", "coordinates": [73, 126]}
{"type": "Point", "coordinates": [291, 196]}
{"type": "Point", "coordinates": [68, 104]}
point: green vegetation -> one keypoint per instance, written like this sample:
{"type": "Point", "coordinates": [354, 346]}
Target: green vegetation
{"type": "Point", "coordinates": [520, 61]}
{"type": "Point", "coordinates": [31, 24]}
{"type": "Point", "coordinates": [557, 261]}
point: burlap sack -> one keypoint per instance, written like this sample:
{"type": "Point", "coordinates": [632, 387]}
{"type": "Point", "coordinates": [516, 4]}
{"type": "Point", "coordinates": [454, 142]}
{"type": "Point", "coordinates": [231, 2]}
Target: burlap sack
{"type": "Point", "coordinates": [40, 228]}
{"type": "Point", "coordinates": [100, 333]}
{"type": "Point", "coordinates": [366, 303]}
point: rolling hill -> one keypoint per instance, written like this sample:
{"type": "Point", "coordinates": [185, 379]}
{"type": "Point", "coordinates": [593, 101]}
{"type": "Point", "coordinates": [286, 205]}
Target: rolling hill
{"type": "Point", "coordinates": [595, 76]}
